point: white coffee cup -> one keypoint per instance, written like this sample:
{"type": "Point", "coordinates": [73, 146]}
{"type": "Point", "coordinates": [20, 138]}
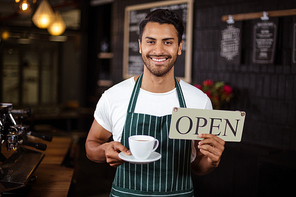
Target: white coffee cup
{"type": "Point", "coordinates": [141, 146]}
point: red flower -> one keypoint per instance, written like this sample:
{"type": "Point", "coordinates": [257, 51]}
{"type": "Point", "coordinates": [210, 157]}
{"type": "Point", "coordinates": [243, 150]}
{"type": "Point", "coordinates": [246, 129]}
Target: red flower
{"type": "Point", "coordinates": [218, 92]}
{"type": "Point", "coordinates": [208, 82]}
{"type": "Point", "coordinates": [208, 93]}
{"type": "Point", "coordinates": [198, 86]}
{"type": "Point", "coordinates": [216, 98]}
{"type": "Point", "coordinates": [227, 89]}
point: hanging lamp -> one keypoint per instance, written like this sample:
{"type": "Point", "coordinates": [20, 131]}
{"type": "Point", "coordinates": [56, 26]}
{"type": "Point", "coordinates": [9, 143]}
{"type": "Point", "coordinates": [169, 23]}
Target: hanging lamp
{"type": "Point", "coordinates": [43, 16]}
{"type": "Point", "coordinates": [58, 26]}
{"type": "Point", "coordinates": [24, 6]}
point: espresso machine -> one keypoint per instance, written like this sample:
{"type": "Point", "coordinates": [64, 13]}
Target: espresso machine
{"type": "Point", "coordinates": [16, 170]}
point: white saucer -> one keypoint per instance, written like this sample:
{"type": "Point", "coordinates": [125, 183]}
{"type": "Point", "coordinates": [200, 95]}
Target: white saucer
{"type": "Point", "coordinates": [130, 158]}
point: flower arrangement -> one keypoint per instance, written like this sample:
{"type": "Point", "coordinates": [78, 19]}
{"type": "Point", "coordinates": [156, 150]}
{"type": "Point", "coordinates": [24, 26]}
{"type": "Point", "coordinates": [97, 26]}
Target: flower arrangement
{"type": "Point", "coordinates": [218, 92]}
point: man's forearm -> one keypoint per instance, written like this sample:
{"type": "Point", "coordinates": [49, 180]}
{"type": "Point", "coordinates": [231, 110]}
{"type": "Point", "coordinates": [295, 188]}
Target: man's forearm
{"type": "Point", "coordinates": [95, 151]}
{"type": "Point", "coordinates": [201, 166]}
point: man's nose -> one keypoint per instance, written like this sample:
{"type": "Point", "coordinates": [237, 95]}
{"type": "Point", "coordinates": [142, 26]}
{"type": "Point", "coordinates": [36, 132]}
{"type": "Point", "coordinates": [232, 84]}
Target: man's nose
{"type": "Point", "coordinates": [158, 49]}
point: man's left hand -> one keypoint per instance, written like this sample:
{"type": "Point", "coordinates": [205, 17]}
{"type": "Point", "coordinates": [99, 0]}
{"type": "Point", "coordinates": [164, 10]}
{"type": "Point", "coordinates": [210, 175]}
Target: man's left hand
{"type": "Point", "coordinates": [212, 147]}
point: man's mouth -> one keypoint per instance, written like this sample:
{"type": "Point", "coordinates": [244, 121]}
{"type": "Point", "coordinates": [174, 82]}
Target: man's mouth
{"type": "Point", "coordinates": [159, 59]}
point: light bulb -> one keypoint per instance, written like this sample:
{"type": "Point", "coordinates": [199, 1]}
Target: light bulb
{"type": "Point", "coordinates": [5, 35]}
{"type": "Point", "coordinates": [24, 5]}
{"type": "Point", "coordinates": [44, 20]}
{"type": "Point", "coordinates": [58, 26]}
{"type": "Point", "coordinates": [43, 16]}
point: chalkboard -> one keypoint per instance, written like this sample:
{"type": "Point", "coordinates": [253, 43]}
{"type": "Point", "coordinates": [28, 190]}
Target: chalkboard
{"type": "Point", "coordinates": [132, 60]}
{"type": "Point", "coordinates": [230, 43]}
{"type": "Point", "coordinates": [264, 42]}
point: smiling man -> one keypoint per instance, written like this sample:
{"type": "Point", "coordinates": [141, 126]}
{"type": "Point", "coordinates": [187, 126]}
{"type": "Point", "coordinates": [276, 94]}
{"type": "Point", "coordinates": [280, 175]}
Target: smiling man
{"type": "Point", "coordinates": [142, 105]}
{"type": "Point", "coordinates": [159, 53]}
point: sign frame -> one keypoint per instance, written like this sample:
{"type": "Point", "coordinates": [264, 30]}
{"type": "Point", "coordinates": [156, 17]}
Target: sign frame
{"type": "Point", "coordinates": [188, 123]}
{"type": "Point", "coordinates": [188, 35]}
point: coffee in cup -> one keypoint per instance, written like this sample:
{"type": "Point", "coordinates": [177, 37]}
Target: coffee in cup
{"type": "Point", "coordinates": [141, 146]}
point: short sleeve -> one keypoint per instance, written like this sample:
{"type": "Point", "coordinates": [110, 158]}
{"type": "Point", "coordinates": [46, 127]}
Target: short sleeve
{"type": "Point", "coordinates": [101, 113]}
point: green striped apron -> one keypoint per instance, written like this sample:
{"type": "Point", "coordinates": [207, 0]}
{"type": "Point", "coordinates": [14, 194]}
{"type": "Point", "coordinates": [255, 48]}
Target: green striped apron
{"type": "Point", "coordinates": [169, 176]}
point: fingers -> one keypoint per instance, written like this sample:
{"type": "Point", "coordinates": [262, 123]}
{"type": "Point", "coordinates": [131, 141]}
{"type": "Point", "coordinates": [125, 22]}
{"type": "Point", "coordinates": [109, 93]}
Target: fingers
{"type": "Point", "coordinates": [112, 151]}
{"type": "Point", "coordinates": [212, 140]}
{"type": "Point", "coordinates": [211, 136]}
{"type": "Point", "coordinates": [212, 147]}
{"type": "Point", "coordinates": [117, 146]}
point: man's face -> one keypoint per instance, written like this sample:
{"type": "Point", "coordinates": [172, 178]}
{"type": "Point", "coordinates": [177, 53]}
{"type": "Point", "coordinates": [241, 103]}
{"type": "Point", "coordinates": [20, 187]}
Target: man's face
{"type": "Point", "coordinates": [159, 47]}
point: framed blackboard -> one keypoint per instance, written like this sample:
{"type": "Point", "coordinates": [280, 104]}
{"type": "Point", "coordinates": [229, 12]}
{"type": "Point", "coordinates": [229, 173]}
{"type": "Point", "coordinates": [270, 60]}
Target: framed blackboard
{"type": "Point", "coordinates": [132, 60]}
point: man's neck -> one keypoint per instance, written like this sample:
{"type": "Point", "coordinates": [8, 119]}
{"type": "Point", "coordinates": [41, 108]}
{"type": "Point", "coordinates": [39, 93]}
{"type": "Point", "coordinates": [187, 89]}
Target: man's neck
{"type": "Point", "coordinates": [156, 84]}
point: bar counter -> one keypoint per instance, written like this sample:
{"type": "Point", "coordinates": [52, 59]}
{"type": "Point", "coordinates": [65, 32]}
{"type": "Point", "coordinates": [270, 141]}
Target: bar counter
{"type": "Point", "coordinates": [53, 179]}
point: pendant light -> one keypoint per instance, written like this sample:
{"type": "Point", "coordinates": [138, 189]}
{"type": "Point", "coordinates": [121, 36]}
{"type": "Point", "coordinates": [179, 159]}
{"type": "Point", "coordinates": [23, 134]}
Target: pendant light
{"type": "Point", "coordinates": [24, 6]}
{"type": "Point", "coordinates": [43, 16]}
{"type": "Point", "coordinates": [58, 26]}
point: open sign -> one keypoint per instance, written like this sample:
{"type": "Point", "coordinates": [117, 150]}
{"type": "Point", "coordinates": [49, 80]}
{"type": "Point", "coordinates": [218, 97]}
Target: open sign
{"type": "Point", "coordinates": [188, 123]}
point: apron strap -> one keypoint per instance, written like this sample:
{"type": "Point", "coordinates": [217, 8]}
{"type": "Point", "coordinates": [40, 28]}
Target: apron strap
{"type": "Point", "coordinates": [180, 94]}
{"type": "Point", "coordinates": [136, 90]}
{"type": "Point", "coordinates": [134, 97]}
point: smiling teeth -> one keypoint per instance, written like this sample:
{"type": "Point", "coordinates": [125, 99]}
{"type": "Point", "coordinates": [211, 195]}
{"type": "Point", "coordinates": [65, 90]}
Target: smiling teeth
{"type": "Point", "coordinates": [158, 60]}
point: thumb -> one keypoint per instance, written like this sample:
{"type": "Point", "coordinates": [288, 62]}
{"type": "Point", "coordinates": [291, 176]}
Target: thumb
{"type": "Point", "coordinates": [127, 152]}
{"type": "Point", "coordinates": [121, 148]}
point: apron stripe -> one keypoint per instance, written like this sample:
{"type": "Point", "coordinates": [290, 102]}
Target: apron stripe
{"type": "Point", "coordinates": [127, 193]}
{"type": "Point", "coordinates": [154, 178]}
{"type": "Point", "coordinates": [173, 166]}
{"type": "Point", "coordinates": [178, 172]}
{"type": "Point", "coordinates": [163, 155]}
{"type": "Point", "coordinates": [167, 165]}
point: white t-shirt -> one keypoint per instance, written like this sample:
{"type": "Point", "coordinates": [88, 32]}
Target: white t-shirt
{"type": "Point", "coordinates": [111, 109]}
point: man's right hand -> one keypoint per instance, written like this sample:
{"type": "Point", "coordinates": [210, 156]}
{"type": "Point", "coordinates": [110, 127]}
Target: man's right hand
{"type": "Point", "coordinates": [99, 149]}
{"type": "Point", "coordinates": [112, 149]}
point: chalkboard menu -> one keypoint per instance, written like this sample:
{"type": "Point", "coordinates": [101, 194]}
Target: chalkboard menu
{"type": "Point", "coordinates": [230, 43]}
{"type": "Point", "coordinates": [132, 60]}
{"type": "Point", "coordinates": [264, 42]}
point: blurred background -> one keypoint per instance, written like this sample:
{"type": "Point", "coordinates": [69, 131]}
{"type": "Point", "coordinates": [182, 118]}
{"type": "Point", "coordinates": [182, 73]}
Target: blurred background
{"type": "Point", "coordinates": [60, 77]}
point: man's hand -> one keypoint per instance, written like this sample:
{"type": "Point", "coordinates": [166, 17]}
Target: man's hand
{"type": "Point", "coordinates": [112, 149]}
{"type": "Point", "coordinates": [212, 147]}
{"type": "Point", "coordinates": [99, 149]}
{"type": "Point", "coordinates": [209, 154]}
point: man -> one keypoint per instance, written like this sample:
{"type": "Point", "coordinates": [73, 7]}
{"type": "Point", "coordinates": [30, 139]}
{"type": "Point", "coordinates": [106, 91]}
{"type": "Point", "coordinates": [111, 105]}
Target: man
{"type": "Point", "coordinates": [143, 105]}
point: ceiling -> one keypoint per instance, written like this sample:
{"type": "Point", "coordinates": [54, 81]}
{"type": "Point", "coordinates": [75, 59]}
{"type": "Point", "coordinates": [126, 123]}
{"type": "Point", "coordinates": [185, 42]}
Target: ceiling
{"type": "Point", "coordinates": [19, 24]}
{"type": "Point", "coordinates": [11, 16]}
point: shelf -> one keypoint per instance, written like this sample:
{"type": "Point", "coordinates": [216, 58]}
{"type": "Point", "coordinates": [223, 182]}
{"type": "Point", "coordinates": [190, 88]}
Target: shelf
{"type": "Point", "coordinates": [104, 83]}
{"type": "Point", "coordinates": [255, 15]}
{"type": "Point", "coordinates": [105, 55]}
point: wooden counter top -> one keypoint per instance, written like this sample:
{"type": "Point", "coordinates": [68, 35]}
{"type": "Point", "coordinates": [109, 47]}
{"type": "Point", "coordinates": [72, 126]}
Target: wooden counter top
{"type": "Point", "coordinates": [52, 178]}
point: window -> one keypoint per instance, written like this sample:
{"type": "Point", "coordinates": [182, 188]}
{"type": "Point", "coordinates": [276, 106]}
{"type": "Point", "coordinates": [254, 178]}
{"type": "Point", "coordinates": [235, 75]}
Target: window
{"type": "Point", "coordinates": [29, 73]}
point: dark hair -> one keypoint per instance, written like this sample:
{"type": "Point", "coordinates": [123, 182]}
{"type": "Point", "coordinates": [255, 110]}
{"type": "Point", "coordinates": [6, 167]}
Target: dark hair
{"type": "Point", "coordinates": [163, 16]}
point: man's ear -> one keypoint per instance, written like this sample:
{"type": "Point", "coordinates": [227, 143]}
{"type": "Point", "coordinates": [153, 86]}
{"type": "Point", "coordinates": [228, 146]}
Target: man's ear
{"type": "Point", "coordinates": [180, 48]}
{"type": "Point", "coordinates": [140, 46]}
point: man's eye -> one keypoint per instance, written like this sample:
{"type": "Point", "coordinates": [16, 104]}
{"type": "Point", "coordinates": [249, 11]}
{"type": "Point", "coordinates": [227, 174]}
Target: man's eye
{"type": "Point", "coordinates": [150, 42]}
{"type": "Point", "coordinates": [167, 43]}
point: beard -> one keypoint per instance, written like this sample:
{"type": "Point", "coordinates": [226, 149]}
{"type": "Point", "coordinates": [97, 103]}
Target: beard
{"type": "Point", "coordinates": [159, 70]}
